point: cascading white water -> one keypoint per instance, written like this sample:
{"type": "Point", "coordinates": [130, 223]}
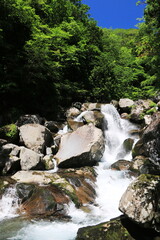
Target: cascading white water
{"type": "Point", "coordinates": [8, 204]}
{"type": "Point", "coordinates": [110, 187]}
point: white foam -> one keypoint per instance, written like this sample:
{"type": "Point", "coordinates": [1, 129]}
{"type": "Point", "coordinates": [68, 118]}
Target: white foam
{"type": "Point", "coordinates": [8, 204]}
{"type": "Point", "coordinates": [110, 187]}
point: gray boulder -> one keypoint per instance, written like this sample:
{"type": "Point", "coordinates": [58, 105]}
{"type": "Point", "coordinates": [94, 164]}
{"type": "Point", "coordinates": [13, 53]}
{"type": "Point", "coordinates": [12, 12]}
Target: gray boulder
{"type": "Point", "coordinates": [11, 149]}
{"type": "Point", "coordinates": [72, 112]}
{"type": "Point", "coordinates": [125, 104]}
{"type": "Point", "coordinates": [9, 159]}
{"type": "Point", "coordinates": [141, 201]}
{"type": "Point", "coordinates": [35, 137]}
{"type": "Point", "coordinates": [95, 117]}
{"type": "Point", "coordinates": [149, 144]}
{"type": "Point", "coordinates": [77, 185]}
{"type": "Point", "coordinates": [83, 147]}
{"type": "Point", "coordinates": [30, 160]}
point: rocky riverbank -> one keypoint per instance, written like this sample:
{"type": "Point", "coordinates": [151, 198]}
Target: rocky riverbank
{"type": "Point", "coordinates": [52, 163]}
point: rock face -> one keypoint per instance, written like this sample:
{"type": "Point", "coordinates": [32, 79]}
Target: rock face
{"type": "Point", "coordinates": [141, 201]}
{"type": "Point", "coordinates": [83, 147]}
{"type": "Point", "coordinates": [35, 137]}
{"type": "Point", "coordinates": [149, 144]}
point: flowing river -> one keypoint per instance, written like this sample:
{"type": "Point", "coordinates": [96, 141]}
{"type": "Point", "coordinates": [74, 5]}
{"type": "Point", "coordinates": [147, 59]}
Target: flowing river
{"type": "Point", "coordinates": [110, 186]}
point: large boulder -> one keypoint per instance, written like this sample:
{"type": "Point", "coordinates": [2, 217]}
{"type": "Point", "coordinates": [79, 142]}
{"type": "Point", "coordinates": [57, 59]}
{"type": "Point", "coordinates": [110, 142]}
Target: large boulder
{"type": "Point", "coordinates": [125, 104]}
{"type": "Point", "coordinates": [120, 228]}
{"type": "Point", "coordinates": [9, 159]}
{"type": "Point", "coordinates": [141, 201]}
{"type": "Point", "coordinates": [77, 185]}
{"type": "Point", "coordinates": [30, 160]}
{"type": "Point", "coordinates": [149, 144]}
{"type": "Point", "coordinates": [42, 201]}
{"type": "Point", "coordinates": [111, 230]}
{"type": "Point", "coordinates": [35, 137]}
{"type": "Point", "coordinates": [83, 147]}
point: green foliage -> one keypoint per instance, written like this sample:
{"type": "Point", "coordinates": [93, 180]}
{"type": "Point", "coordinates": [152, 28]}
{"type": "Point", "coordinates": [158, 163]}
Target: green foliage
{"type": "Point", "coordinates": [148, 46]}
{"type": "Point", "coordinates": [9, 132]}
{"type": "Point", "coordinates": [117, 72]}
{"type": "Point", "coordinates": [48, 48]}
{"type": "Point", "coordinates": [52, 54]}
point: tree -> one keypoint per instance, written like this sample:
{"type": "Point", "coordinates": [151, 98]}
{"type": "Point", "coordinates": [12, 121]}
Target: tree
{"type": "Point", "coordinates": [48, 49]}
{"type": "Point", "coordinates": [117, 72]}
{"type": "Point", "coordinates": [148, 46]}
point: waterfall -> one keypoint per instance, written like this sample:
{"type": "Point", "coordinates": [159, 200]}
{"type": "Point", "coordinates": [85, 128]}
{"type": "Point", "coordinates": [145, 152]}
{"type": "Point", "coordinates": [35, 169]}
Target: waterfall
{"type": "Point", "coordinates": [110, 187]}
{"type": "Point", "coordinates": [8, 204]}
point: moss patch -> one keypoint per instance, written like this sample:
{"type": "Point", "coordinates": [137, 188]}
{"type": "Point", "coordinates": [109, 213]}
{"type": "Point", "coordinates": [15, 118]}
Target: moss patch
{"type": "Point", "coordinates": [9, 132]}
{"type": "Point", "coordinates": [112, 230]}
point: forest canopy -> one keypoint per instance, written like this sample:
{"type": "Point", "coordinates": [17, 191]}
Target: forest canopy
{"type": "Point", "coordinates": [53, 54]}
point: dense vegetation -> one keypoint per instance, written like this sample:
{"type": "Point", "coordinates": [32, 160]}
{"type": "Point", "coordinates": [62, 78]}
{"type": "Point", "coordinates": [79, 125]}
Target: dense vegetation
{"type": "Point", "coordinates": [53, 53]}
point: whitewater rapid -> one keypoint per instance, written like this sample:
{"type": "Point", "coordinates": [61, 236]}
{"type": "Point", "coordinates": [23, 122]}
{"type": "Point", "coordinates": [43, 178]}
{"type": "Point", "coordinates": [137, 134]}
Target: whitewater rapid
{"type": "Point", "coordinates": [110, 186]}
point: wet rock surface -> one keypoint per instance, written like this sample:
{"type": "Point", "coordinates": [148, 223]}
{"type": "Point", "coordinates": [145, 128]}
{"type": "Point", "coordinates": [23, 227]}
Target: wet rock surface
{"type": "Point", "coordinates": [52, 191]}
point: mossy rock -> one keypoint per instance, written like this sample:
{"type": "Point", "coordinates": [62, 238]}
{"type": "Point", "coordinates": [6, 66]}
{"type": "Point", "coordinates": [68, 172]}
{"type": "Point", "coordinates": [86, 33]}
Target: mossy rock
{"type": "Point", "coordinates": [68, 189]}
{"type": "Point", "coordinates": [138, 149]}
{"type": "Point", "coordinates": [112, 230]}
{"type": "Point", "coordinates": [10, 133]}
{"type": "Point", "coordinates": [120, 228]}
{"type": "Point", "coordinates": [127, 144]}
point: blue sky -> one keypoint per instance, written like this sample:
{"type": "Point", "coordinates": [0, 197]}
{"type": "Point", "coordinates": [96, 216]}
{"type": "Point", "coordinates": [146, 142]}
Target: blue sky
{"type": "Point", "coordinates": [115, 13]}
